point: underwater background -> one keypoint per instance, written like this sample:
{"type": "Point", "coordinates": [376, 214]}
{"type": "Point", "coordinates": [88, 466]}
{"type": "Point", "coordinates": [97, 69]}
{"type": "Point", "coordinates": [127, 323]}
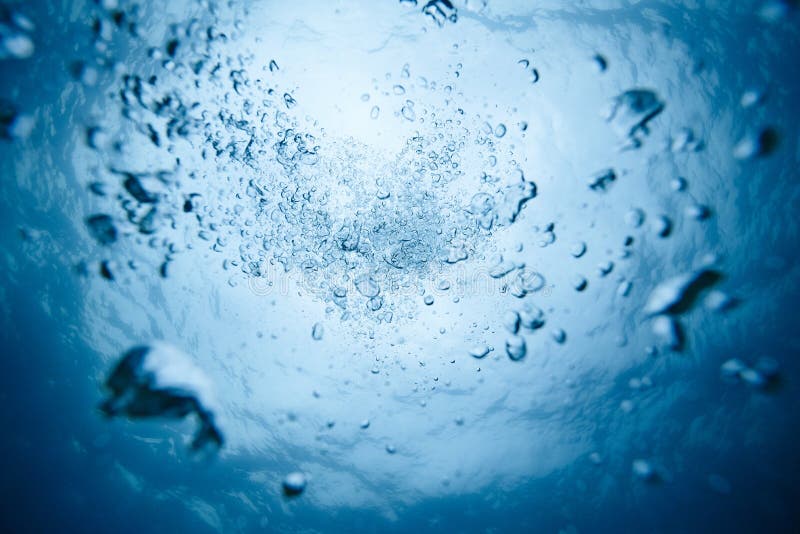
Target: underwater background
{"type": "Point", "coordinates": [458, 265]}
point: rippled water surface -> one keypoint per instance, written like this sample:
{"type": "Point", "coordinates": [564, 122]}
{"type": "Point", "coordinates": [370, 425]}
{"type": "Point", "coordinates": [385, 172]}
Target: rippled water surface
{"type": "Point", "coordinates": [447, 265]}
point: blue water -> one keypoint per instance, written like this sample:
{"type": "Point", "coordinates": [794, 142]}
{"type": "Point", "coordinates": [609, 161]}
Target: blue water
{"type": "Point", "coordinates": [342, 204]}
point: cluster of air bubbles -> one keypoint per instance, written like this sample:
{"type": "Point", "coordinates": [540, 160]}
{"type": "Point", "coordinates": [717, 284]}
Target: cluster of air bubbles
{"type": "Point", "coordinates": [270, 194]}
{"type": "Point", "coordinates": [630, 115]}
{"type": "Point", "coordinates": [380, 227]}
{"type": "Point", "coordinates": [677, 295]}
{"type": "Point", "coordinates": [531, 70]}
{"type": "Point", "coordinates": [16, 44]}
{"type": "Point", "coordinates": [439, 11]}
{"type": "Point", "coordinates": [16, 35]}
{"type": "Point", "coordinates": [760, 375]}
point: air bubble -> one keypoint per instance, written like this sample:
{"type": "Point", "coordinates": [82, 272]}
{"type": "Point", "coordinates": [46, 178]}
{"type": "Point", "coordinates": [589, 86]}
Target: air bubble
{"type": "Point", "coordinates": [577, 249]}
{"type": "Point", "coordinates": [579, 282]}
{"type": "Point", "coordinates": [634, 218]}
{"type": "Point", "coordinates": [516, 347]}
{"type": "Point", "coordinates": [408, 111]}
{"type": "Point", "coordinates": [511, 321]}
{"type": "Point", "coordinates": [559, 336]}
{"type": "Point", "coordinates": [367, 286]}
{"type": "Point", "coordinates": [317, 331]}
{"type": "Point", "coordinates": [479, 351]}
{"type": "Point", "coordinates": [294, 484]}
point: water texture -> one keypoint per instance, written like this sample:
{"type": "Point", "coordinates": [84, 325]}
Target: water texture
{"type": "Point", "coordinates": [400, 266]}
